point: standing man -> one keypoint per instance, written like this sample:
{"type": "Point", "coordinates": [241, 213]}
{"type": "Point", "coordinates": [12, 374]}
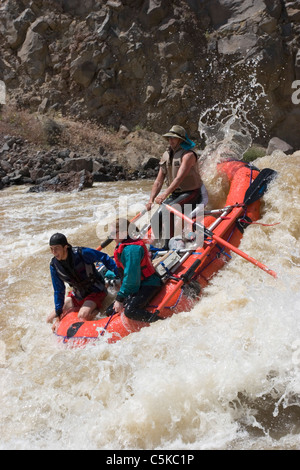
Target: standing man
{"type": "Point", "coordinates": [179, 167]}
{"type": "Point", "coordinates": [75, 266]}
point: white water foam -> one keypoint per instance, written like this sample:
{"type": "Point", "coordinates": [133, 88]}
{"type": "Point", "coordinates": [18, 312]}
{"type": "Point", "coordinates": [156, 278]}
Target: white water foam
{"type": "Point", "coordinates": [224, 376]}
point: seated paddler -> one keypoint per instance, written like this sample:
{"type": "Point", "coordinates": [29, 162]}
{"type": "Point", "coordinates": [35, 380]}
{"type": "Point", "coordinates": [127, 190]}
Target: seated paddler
{"type": "Point", "coordinates": [140, 282]}
{"type": "Point", "coordinates": [180, 170]}
{"type": "Point", "coordinates": [75, 266]}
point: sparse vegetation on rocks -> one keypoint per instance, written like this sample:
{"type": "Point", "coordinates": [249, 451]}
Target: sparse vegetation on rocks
{"type": "Point", "coordinates": [63, 155]}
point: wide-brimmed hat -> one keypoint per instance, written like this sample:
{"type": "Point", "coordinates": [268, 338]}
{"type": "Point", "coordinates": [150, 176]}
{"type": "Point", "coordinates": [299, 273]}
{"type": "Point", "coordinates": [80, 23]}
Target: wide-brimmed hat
{"type": "Point", "coordinates": [177, 131]}
{"type": "Point", "coordinates": [180, 132]}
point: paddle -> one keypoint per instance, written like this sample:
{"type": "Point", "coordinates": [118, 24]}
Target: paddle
{"type": "Point", "coordinates": [209, 234]}
{"type": "Point", "coordinates": [255, 191]}
{"type": "Point", "coordinates": [259, 186]}
{"type": "Point", "coordinates": [109, 240]}
{"type": "Point", "coordinates": [105, 243]}
{"type": "Point", "coordinates": [138, 215]}
{"type": "Point", "coordinates": [186, 277]}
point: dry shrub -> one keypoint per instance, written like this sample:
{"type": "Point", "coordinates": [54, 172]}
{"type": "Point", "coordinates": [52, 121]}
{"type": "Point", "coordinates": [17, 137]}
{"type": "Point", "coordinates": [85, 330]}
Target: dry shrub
{"type": "Point", "coordinates": [22, 124]}
{"type": "Point", "coordinates": [87, 135]}
{"type": "Point", "coordinates": [43, 131]}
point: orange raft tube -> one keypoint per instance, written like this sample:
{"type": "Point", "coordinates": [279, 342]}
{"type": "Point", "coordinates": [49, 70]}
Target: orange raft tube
{"type": "Point", "coordinates": [194, 270]}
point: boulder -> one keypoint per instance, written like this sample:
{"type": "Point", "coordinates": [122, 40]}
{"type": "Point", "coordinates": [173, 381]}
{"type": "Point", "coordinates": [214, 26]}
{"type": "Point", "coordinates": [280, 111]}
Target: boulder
{"type": "Point", "coordinates": [34, 55]}
{"type": "Point", "coordinates": [77, 164]}
{"type": "Point", "coordinates": [150, 163]}
{"type": "Point", "coordinates": [18, 28]}
{"type": "Point", "coordinates": [58, 169]}
{"type": "Point", "coordinates": [66, 182]}
{"type": "Point", "coordinates": [278, 144]}
{"type": "Point", "coordinates": [237, 44]}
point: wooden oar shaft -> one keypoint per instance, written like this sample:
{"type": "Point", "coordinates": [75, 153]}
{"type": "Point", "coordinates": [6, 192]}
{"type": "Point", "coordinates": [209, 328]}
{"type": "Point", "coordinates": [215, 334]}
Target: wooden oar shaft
{"type": "Point", "coordinates": [223, 242]}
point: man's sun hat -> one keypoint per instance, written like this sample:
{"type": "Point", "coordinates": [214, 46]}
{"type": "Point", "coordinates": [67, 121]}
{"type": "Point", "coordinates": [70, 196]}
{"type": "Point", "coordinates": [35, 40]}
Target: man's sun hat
{"type": "Point", "coordinates": [176, 131]}
{"type": "Point", "coordinates": [180, 132]}
{"type": "Point", "coordinates": [58, 239]}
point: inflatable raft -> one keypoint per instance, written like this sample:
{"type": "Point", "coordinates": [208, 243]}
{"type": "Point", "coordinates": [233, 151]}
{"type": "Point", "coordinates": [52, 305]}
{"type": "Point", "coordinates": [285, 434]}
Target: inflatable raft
{"type": "Point", "coordinates": [185, 279]}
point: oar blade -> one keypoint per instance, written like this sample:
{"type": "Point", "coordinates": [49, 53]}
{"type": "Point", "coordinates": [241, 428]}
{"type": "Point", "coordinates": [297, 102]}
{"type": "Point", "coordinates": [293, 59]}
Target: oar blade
{"type": "Point", "coordinates": [259, 186]}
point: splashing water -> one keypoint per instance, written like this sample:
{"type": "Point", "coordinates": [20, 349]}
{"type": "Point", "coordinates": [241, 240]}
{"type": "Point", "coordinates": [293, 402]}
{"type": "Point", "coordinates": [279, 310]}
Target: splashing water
{"type": "Point", "coordinates": [228, 126]}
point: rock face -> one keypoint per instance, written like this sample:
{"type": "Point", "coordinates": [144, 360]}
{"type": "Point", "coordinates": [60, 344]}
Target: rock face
{"type": "Point", "coordinates": [152, 63]}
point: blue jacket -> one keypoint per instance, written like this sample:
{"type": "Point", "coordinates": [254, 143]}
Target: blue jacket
{"type": "Point", "coordinates": [83, 260]}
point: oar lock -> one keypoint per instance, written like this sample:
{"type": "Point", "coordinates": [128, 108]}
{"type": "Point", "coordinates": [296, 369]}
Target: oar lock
{"type": "Point", "coordinates": [243, 223]}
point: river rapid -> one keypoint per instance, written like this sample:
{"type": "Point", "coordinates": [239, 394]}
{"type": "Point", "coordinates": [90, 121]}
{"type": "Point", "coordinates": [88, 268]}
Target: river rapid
{"type": "Point", "coordinates": [224, 376]}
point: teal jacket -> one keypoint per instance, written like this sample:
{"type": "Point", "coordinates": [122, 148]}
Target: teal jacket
{"type": "Point", "coordinates": [131, 258]}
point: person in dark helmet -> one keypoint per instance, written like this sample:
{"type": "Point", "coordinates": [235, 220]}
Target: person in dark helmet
{"type": "Point", "coordinates": [179, 168]}
{"type": "Point", "coordinates": [76, 266]}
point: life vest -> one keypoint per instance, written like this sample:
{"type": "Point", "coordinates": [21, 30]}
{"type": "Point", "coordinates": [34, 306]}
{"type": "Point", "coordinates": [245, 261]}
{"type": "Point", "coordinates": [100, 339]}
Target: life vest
{"type": "Point", "coordinates": [170, 167]}
{"type": "Point", "coordinates": [146, 264]}
{"type": "Point", "coordinates": [83, 278]}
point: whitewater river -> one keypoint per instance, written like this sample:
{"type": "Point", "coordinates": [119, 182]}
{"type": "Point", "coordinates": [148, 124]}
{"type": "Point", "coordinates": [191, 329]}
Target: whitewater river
{"type": "Point", "coordinates": [224, 376]}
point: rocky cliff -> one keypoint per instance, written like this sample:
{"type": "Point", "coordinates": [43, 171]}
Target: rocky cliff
{"type": "Point", "coordinates": [153, 63]}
